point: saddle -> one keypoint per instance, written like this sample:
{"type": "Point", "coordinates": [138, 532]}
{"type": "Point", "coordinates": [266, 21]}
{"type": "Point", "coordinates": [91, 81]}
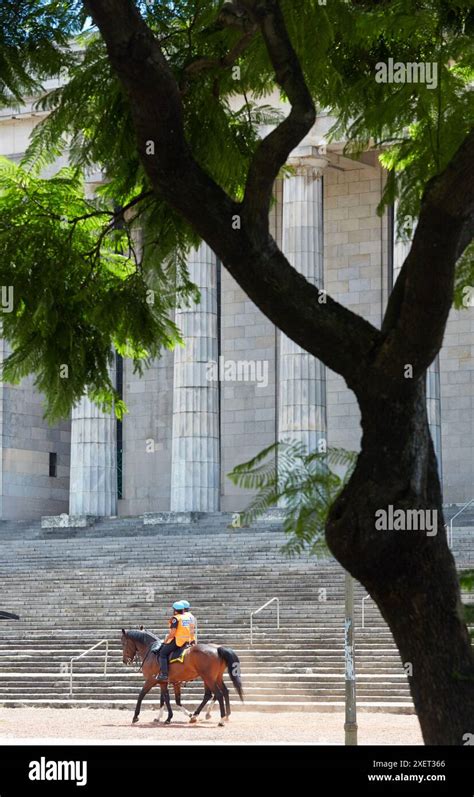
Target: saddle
{"type": "Point", "coordinates": [176, 656]}
{"type": "Point", "coordinates": [179, 656]}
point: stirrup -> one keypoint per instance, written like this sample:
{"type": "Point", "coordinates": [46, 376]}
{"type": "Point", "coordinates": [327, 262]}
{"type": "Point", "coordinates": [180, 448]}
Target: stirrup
{"type": "Point", "coordinates": [161, 677]}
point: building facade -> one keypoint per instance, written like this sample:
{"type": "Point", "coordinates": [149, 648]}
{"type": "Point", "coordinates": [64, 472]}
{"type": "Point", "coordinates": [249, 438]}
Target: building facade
{"type": "Point", "coordinates": [238, 385]}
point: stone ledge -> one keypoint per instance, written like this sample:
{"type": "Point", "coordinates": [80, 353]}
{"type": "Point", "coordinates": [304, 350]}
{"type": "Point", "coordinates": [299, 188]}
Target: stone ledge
{"type": "Point", "coordinates": [65, 521]}
{"type": "Point", "coordinates": [159, 518]}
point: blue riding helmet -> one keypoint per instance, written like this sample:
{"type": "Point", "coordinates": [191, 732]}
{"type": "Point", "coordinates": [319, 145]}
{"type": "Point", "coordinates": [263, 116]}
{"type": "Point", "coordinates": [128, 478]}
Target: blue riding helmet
{"type": "Point", "coordinates": [186, 604]}
{"type": "Point", "coordinates": [178, 605]}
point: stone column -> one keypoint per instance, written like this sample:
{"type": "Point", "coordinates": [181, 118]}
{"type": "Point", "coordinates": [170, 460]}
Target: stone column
{"type": "Point", "coordinates": [302, 382]}
{"type": "Point", "coordinates": [93, 473]}
{"type": "Point", "coordinates": [195, 445]}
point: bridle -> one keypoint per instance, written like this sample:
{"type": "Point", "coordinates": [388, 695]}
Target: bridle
{"type": "Point", "coordinates": [136, 653]}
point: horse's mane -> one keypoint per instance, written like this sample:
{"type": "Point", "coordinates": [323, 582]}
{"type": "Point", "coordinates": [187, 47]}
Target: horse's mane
{"type": "Point", "coordinates": [143, 637]}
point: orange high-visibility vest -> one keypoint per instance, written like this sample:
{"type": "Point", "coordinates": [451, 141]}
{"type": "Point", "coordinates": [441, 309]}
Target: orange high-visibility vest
{"type": "Point", "coordinates": [185, 629]}
{"type": "Point", "coordinates": [192, 626]}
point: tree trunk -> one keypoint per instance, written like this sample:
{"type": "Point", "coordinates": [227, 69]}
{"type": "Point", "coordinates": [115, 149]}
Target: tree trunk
{"type": "Point", "coordinates": [410, 574]}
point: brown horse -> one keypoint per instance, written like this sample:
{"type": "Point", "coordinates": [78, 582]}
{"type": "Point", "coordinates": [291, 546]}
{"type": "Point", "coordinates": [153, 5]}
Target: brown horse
{"type": "Point", "coordinates": [208, 662]}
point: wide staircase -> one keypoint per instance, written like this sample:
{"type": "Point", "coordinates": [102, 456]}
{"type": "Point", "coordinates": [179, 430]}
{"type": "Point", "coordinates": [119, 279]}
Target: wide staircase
{"type": "Point", "coordinates": [75, 587]}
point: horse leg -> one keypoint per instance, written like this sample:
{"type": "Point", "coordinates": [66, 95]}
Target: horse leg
{"type": "Point", "coordinates": [220, 697]}
{"type": "Point", "coordinates": [144, 691]}
{"type": "Point", "coordinates": [209, 708]}
{"type": "Point", "coordinates": [168, 704]}
{"type": "Point", "coordinates": [177, 699]}
{"type": "Point", "coordinates": [227, 700]}
{"type": "Point", "coordinates": [162, 703]}
{"type": "Point", "coordinates": [206, 698]}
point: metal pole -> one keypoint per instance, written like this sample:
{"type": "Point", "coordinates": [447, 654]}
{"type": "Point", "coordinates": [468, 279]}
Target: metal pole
{"type": "Point", "coordinates": [350, 725]}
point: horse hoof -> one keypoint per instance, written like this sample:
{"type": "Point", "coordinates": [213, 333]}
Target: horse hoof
{"type": "Point", "coordinates": [208, 716]}
{"type": "Point", "coordinates": [167, 722]}
{"type": "Point", "coordinates": [135, 719]}
{"type": "Point", "coordinates": [193, 719]}
{"type": "Point", "coordinates": [156, 719]}
{"type": "Point", "coordinates": [221, 724]}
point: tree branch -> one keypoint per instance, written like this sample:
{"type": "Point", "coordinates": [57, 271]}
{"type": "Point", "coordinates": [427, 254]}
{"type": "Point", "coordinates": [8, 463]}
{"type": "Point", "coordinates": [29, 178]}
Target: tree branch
{"type": "Point", "coordinates": [337, 336]}
{"type": "Point", "coordinates": [419, 306]}
{"type": "Point", "coordinates": [274, 150]}
{"type": "Point", "coordinates": [201, 64]}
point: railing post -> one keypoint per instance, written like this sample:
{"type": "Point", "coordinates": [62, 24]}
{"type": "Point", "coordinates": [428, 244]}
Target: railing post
{"type": "Point", "coordinates": [450, 536]}
{"type": "Point", "coordinates": [259, 610]}
{"type": "Point", "coordinates": [75, 658]}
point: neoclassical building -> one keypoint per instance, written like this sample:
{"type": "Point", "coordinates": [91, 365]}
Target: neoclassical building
{"type": "Point", "coordinates": [238, 385]}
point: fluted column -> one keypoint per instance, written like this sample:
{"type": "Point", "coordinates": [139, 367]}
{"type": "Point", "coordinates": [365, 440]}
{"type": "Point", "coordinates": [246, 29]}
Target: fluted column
{"type": "Point", "coordinates": [195, 446]}
{"type": "Point", "coordinates": [302, 383]}
{"type": "Point", "coordinates": [93, 473]}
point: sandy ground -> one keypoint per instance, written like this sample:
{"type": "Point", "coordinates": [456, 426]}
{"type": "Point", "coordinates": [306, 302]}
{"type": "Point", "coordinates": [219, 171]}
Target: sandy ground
{"type": "Point", "coordinates": [82, 725]}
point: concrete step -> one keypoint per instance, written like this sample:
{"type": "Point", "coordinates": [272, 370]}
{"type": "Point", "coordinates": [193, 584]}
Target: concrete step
{"type": "Point", "coordinates": [73, 587]}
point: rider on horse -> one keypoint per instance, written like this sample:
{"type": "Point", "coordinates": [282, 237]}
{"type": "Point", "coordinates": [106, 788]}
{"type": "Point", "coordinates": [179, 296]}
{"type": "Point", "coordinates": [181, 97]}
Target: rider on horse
{"type": "Point", "coordinates": [180, 634]}
{"type": "Point", "coordinates": [187, 606]}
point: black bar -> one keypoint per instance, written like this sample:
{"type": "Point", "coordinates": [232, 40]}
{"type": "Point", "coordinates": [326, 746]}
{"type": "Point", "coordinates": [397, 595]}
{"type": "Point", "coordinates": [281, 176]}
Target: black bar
{"type": "Point", "coordinates": [226, 768]}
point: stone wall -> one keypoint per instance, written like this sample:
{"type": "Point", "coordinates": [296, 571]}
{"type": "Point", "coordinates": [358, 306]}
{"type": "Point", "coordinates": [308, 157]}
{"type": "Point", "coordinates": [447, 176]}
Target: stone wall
{"type": "Point", "coordinates": [147, 437]}
{"type": "Point", "coordinates": [27, 440]}
{"type": "Point", "coordinates": [355, 259]}
{"type": "Point", "coordinates": [248, 409]}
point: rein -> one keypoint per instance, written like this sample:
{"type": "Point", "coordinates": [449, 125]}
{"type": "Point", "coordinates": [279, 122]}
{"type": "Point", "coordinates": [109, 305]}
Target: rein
{"type": "Point", "coordinates": [146, 656]}
{"type": "Point", "coordinates": [140, 667]}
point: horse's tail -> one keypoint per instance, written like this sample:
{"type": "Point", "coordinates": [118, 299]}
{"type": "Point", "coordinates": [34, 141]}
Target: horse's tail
{"type": "Point", "coordinates": [233, 668]}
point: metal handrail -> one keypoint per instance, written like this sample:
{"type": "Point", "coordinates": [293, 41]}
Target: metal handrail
{"type": "Point", "coordinates": [450, 537]}
{"type": "Point", "coordinates": [76, 658]}
{"type": "Point", "coordinates": [367, 597]}
{"type": "Point", "coordinates": [252, 615]}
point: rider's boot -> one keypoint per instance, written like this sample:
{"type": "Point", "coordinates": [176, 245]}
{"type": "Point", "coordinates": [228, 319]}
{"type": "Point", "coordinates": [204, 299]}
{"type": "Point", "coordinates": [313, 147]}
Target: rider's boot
{"type": "Point", "coordinates": [163, 674]}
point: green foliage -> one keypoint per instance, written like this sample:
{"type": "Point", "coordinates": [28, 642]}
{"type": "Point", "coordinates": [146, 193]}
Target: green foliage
{"type": "Point", "coordinates": [339, 45]}
{"type": "Point", "coordinates": [466, 581]}
{"type": "Point", "coordinates": [34, 43]}
{"type": "Point", "coordinates": [77, 289]}
{"type": "Point", "coordinates": [417, 130]}
{"type": "Point", "coordinates": [305, 485]}
{"type": "Point", "coordinates": [418, 127]}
